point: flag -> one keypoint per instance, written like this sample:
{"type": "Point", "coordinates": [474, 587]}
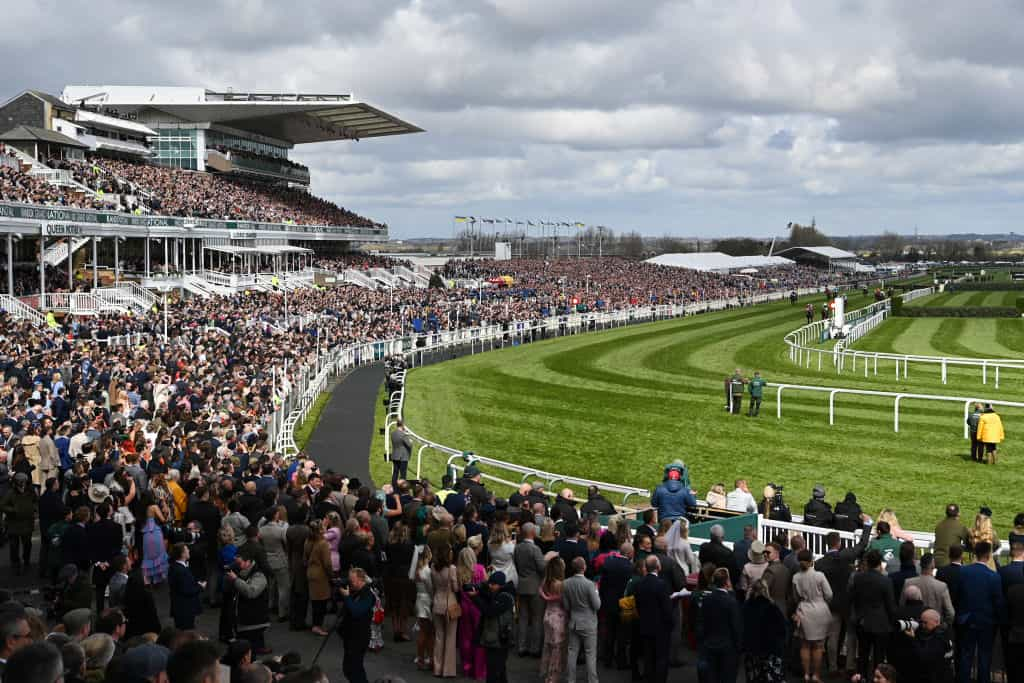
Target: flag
{"type": "Point", "coordinates": [579, 225]}
{"type": "Point", "coordinates": [460, 219]}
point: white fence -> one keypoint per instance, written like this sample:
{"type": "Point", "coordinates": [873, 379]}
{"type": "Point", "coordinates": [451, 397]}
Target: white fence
{"type": "Point", "coordinates": [896, 396]}
{"type": "Point", "coordinates": [917, 294]}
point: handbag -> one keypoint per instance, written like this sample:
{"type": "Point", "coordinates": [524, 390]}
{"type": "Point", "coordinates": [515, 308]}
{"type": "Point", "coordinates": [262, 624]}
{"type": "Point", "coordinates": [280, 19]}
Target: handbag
{"type": "Point", "coordinates": [627, 609]}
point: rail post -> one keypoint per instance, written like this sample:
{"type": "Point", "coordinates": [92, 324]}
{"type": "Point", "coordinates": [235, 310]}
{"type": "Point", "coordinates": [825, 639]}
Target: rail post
{"type": "Point", "coordinates": [896, 413]}
{"type": "Point", "coordinates": [832, 406]}
{"type": "Point", "coordinates": [943, 370]}
{"type": "Point", "coordinates": [778, 403]}
{"type": "Point", "coordinates": [984, 372]}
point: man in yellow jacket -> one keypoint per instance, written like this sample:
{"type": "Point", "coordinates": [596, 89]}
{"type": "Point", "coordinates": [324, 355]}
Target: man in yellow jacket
{"type": "Point", "coordinates": [990, 432]}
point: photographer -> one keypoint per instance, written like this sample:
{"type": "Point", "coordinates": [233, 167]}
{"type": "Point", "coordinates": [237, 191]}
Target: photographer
{"type": "Point", "coordinates": [931, 650]}
{"type": "Point", "coordinates": [354, 627]}
{"type": "Point", "coordinates": [250, 586]}
{"type": "Point", "coordinates": [19, 507]}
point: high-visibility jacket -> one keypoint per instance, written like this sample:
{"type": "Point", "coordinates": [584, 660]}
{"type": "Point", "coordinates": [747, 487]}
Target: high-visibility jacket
{"type": "Point", "coordinates": [990, 428]}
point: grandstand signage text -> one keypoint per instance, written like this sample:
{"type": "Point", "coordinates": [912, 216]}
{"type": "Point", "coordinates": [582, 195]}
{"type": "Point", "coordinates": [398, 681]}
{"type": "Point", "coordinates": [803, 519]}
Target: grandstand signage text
{"type": "Point", "coordinates": [65, 221]}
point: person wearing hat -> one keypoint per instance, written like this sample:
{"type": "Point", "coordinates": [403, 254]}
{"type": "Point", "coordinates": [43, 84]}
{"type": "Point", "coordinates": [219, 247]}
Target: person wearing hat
{"type": "Point", "coordinates": [673, 497]}
{"type": "Point", "coordinates": [754, 566]}
{"type": "Point", "coordinates": [471, 481]}
{"type": "Point", "coordinates": [144, 664]}
{"type": "Point", "coordinates": [78, 623]}
{"type": "Point", "coordinates": [817, 512]}
{"type": "Point", "coordinates": [496, 603]}
{"type": "Point", "coordinates": [990, 432]}
{"type": "Point", "coordinates": [19, 507]}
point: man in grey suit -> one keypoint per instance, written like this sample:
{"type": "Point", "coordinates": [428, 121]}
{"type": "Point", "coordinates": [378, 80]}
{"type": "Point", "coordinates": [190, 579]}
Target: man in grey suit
{"type": "Point", "coordinates": [401, 450]}
{"type": "Point", "coordinates": [581, 601]}
{"type": "Point", "coordinates": [934, 593]}
{"type": "Point", "coordinates": [529, 563]}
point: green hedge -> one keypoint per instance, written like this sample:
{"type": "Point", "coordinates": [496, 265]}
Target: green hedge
{"type": "Point", "coordinates": [1020, 304]}
{"type": "Point", "coordinates": [896, 304]}
{"type": "Point", "coordinates": [958, 312]}
{"type": "Point", "coordinates": [999, 286]}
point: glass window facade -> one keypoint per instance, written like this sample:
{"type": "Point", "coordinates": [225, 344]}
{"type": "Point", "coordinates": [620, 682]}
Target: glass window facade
{"type": "Point", "coordinates": [215, 138]}
{"type": "Point", "coordinates": [177, 148]}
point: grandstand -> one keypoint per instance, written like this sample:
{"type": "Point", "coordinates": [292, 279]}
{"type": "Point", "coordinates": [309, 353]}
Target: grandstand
{"type": "Point", "coordinates": [173, 187]}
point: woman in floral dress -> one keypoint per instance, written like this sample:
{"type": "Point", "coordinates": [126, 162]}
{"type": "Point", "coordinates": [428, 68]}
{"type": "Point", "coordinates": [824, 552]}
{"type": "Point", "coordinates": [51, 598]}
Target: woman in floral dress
{"type": "Point", "coordinates": [552, 660]}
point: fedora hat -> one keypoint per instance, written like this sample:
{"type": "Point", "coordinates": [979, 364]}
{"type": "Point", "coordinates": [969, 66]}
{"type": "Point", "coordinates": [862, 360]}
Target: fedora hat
{"type": "Point", "coordinates": [98, 493]}
{"type": "Point", "coordinates": [756, 552]}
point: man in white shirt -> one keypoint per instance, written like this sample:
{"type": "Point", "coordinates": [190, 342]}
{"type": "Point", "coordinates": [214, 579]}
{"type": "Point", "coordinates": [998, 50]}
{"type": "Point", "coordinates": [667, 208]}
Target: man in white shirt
{"type": "Point", "coordinates": [740, 499]}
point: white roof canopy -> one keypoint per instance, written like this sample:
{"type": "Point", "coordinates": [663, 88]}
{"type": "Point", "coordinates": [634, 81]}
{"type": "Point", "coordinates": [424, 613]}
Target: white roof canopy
{"type": "Point", "coordinates": [717, 261]}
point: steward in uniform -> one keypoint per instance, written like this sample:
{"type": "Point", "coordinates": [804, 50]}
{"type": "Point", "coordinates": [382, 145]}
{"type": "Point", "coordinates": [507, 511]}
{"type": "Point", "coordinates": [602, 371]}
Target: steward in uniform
{"type": "Point", "coordinates": [757, 385]}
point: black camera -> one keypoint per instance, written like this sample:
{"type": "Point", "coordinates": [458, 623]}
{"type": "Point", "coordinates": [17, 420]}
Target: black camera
{"type": "Point", "coordinates": [340, 582]}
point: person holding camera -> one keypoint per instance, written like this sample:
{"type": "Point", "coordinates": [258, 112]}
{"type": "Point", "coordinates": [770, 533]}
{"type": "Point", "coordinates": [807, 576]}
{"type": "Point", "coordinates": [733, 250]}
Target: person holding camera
{"type": "Point", "coordinates": [354, 626]}
{"type": "Point", "coordinates": [253, 606]}
{"type": "Point", "coordinates": [931, 650]}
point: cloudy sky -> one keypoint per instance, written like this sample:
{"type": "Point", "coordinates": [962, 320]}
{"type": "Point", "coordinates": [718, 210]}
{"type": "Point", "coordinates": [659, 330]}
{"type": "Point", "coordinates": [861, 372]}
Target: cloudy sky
{"type": "Point", "coordinates": [689, 118]}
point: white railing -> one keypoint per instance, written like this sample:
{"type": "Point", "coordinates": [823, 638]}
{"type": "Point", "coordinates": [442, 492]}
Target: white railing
{"type": "Point", "coordinates": [112, 299]}
{"type": "Point", "coordinates": [896, 396]}
{"type": "Point", "coordinates": [19, 310]}
{"type": "Point", "coordinates": [917, 294]}
{"type": "Point", "coordinates": [804, 355]}
{"type": "Point", "coordinates": [145, 297]}
{"type": "Point", "coordinates": [856, 332]}
{"type": "Point", "coordinates": [76, 303]}
{"type": "Point", "coordinates": [357, 277]}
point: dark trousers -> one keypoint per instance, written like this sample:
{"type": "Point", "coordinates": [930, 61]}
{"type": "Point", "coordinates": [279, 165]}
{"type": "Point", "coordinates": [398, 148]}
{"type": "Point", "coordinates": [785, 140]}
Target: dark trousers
{"type": "Point", "coordinates": [871, 650]}
{"type": "Point", "coordinates": [44, 551]}
{"type": "Point", "coordinates": [297, 608]}
{"type": "Point", "coordinates": [226, 624]}
{"type": "Point", "coordinates": [399, 468]}
{"type": "Point", "coordinates": [656, 658]}
{"type": "Point", "coordinates": [496, 660]}
{"type": "Point", "coordinates": [636, 650]}
{"type": "Point", "coordinates": [736, 406]}
{"type": "Point", "coordinates": [755, 406]}
{"type": "Point", "coordinates": [976, 641]}
{"type": "Point", "coordinates": [255, 638]}
{"type": "Point", "coordinates": [352, 661]}
{"type": "Point", "coordinates": [25, 541]}
{"type": "Point", "coordinates": [718, 666]}
{"type": "Point", "coordinates": [977, 449]}
{"type": "Point", "coordinates": [319, 610]}
{"type": "Point", "coordinates": [613, 640]}
{"type": "Point", "coordinates": [184, 623]}
{"type": "Point", "coordinates": [100, 579]}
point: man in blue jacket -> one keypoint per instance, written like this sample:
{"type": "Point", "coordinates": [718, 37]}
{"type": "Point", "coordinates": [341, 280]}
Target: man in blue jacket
{"type": "Point", "coordinates": [185, 591]}
{"type": "Point", "coordinates": [673, 498]}
{"type": "Point", "coordinates": [980, 608]}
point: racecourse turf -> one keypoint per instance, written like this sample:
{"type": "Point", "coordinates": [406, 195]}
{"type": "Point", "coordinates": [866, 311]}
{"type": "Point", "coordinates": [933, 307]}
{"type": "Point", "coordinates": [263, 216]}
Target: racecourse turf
{"type": "Point", "coordinates": [957, 299]}
{"type": "Point", "coordinates": [617, 405]}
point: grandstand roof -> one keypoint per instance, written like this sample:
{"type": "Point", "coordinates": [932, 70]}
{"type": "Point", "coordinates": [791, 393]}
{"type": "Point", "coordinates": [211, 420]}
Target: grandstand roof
{"type": "Point", "coordinates": [717, 261]}
{"type": "Point", "coordinates": [830, 253]}
{"type": "Point", "coordinates": [296, 118]}
{"type": "Point", "coordinates": [35, 134]}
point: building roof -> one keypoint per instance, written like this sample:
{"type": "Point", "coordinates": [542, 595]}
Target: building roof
{"type": "Point", "coordinates": [51, 99]}
{"type": "Point", "coordinates": [102, 121]}
{"type": "Point", "coordinates": [36, 134]}
{"type": "Point", "coordinates": [296, 118]}
{"type": "Point", "coordinates": [830, 253]}
{"type": "Point", "coordinates": [717, 261]}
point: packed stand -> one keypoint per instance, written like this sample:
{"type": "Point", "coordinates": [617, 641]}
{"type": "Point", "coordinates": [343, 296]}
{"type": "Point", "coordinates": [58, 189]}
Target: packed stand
{"type": "Point", "coordinates": [19, 186]}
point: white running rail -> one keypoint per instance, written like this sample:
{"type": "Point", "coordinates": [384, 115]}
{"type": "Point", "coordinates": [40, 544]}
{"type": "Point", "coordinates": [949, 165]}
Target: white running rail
{"type": "Point", "coordinates": [917, 294]}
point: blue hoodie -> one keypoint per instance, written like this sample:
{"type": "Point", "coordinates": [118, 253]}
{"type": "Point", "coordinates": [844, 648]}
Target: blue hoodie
{"type": "Point", "coordinates": [672, 499]}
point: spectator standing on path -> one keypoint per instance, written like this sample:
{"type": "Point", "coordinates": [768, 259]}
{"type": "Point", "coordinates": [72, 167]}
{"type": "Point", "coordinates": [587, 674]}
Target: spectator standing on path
{"type": "Point", "coordinates": [990, 432]}
{"type": "Point", "coordinates": [185, 591]}
{"type": "Point", "coordinates": [446, 612]}
{"type": "Point", "coordinates": [496, 602]}
{"type": "Point", "coordinates": [934, 593]}
{"type": "Point", "coordinates": [757, 385]}
{"type": "Point", "coordinates": [529, 562]}
{"type": "Point", "coordinates": [837, 566]}
{"type": "Point", "coordinates": [813, 616]}
{"type": "Point", "coordinates": [253, 605]}
{"type": "Point", "coordinates": [980, 609]}
{"type": "Point", "coordinates": [764, 636]}
{"type": "Point", "coordinates": [722, 629]}
{"type": "Point", "coordinates": [654, 608]}
{"type": "Point", "coordinates": [401, 451]}
{"type": "Point", "coordinates": [581, 601]}
{"type": "Point", "coordinates": [273, 533]}
{"type": "Point", "coordinates": [977, 448]}
{"type": "Point", "coordinates": [616, 572]}
{"type": "Point", "coordinates": [950, 531]}
{"type": "Point", "coordinates": [552, 661]}
{"type": "Point", "coordinates": [887, 546]}
{"type": "Point", "coordinates": [871, 599]}
{"type": "Point", "coordinates": [19, 508]}
{"type": "Point", "coordinates": [357, 603]}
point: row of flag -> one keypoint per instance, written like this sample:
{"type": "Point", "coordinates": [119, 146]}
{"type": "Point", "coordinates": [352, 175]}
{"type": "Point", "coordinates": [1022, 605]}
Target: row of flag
{"type": "Point", "coordinates": [474, 219]}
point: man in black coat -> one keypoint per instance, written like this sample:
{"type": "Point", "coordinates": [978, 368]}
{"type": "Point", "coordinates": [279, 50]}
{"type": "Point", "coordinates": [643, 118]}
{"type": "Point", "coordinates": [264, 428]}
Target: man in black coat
{"type": "Point", "coordinates": [74, 544]}
{"type": "Point", "coordinates": [722, 630]}
{"type": "Point", "coordinates": [616, 572]}
{"type": "Point", "coordinates": [597, 503]}
{"type": "Point", "coordinates": [950, 574]}
{"type": "Point", "coordinates": [204, 512]}
{"type": "Point", "coordinates": [654, 611]}
{"type": "Point", "coordinates": [715, 552]}
{"type": "Point", "coordinates": [837, 566]}
{"type": "Point", "coordinates": [354, 627]}
{"type": "Point", "coordinates": [817, 512]}
{"type": "Point", "coordinates": [931, 658]}
{"type": "Point", "coordinates": [471, 481]}
{"type": "Point", "coordinates": [184, 589]}
{"type": "Point", "coordinates": [871, 598]}
{"type": "Point", "coordinates": [106, 541]}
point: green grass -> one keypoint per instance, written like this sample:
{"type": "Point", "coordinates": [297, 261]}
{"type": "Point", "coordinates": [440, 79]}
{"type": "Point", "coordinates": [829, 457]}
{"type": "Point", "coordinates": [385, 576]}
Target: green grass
{"type": "Point", "coordinates": [305, 430]}
{"type": "Point", "coordinates": [618, 405]}
{"type": "Point", "coordinates": [957, 299]}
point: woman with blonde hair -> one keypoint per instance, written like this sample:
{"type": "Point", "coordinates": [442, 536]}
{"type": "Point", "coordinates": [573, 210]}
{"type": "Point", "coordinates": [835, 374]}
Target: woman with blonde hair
{"type": "Point", "coordinates": [500, 547]}
{"type": "Point", "coordinates": [424, 608]}
{"type": "Point", "coordinates": [546, 537]}
{"type": "Point", "coordinates": [984, 531]}
{"type": "Point", "coordinates": [895, 530]}
{"type": "Point", "coordinates": [552, 661]}
{"type": "Point", "coordinates": [716, 496]}
{"type": "Point", "coordinates": [470, 573]}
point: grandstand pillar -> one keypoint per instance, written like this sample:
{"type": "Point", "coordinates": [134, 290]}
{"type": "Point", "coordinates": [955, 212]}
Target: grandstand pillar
{"type": "Point", "coordinates": [146, 257]}
{"type": "Point", "coordinates": [42, 266]}
{"type": "Point", "coordinates": [165, 256]}
{"type": "Point", "coordinates": [71, 267]}
{"type": "Point", "coordinates": [117, 262]}
{"type": "Point", "coordinates": [95, 269]}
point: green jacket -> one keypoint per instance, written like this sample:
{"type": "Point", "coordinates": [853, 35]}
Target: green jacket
{"type": "Point", "coordinates": [757, 387]}
{"type": "Point", "coordinates": [889, 547]}
{"type": "Point", "coordinates": [20, 509]}
{"type": "Point", "coordinates": [950, 531]}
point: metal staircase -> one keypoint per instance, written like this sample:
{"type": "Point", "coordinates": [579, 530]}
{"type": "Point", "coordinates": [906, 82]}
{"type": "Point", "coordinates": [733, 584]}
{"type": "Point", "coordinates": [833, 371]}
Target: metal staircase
{"type": "Point", "coordinates": [56, 254]}
{"type": "Point", "coordinates": [358, 277]}
{"type": "Point", "coordinates": [19, 310]}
